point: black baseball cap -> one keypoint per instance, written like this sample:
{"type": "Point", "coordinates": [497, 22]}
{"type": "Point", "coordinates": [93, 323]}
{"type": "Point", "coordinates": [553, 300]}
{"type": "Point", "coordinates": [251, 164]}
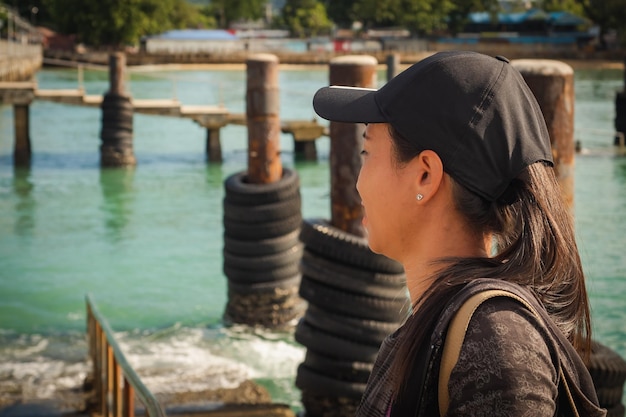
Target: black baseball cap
{"type": "Point", "coordinates": [476, 112]}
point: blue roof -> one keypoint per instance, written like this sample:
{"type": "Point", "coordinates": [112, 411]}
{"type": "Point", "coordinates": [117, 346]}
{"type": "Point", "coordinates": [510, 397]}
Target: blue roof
{"type": "Point", "coordinates": [197, 34]}
{"type": "Point", "coordinates": [509, 18]}
{"type": "Point", "coordinates": [567, 18]}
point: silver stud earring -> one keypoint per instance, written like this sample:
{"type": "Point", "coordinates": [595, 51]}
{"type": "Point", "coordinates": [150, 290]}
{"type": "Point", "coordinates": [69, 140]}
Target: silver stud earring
{"type": "Point", "coordinates": [419, 197]}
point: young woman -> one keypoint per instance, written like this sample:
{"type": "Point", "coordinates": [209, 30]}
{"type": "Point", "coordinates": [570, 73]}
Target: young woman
{"type": "Point", "coordinates": [457, 184]}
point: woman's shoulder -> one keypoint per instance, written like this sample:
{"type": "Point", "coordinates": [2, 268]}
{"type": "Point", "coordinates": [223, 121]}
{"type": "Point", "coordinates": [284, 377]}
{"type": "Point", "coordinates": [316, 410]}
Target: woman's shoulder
{"type": "Point", "coordinates": [505, 363]}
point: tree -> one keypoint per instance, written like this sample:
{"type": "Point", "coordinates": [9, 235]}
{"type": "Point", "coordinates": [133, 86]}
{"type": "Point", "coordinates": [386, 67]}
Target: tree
{"type": "Point", "coordinates": [572, 6]}
{"type": "Point", "coordinates": [229, 11]}
{"type": "Point", "coordinates": [339, 12]}
{"type": "Point", "coordinates": [305, 18]}
{"type": "Point", "coordinates": [458, 16]}
{"type": "Point", "coordinates": [607, 14]}
{"type": "Point", "coordinates": [117, 23]}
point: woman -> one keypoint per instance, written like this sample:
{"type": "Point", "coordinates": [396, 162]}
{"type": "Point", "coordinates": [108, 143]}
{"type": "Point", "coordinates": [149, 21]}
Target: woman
{"type": "Point", "coordinates": [457, 184]}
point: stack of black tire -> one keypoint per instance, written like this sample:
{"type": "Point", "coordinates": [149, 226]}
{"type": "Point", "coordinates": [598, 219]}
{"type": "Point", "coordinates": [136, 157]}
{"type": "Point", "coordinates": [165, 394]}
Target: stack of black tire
{"type": "Point", "coordinates": [608, 371]}
{"type": "Point", "coordinates": [116, 134]}
{"type": "Point", "coordinates": [262, 250]}
{"type": "Point", "coordinates": [355, 299]}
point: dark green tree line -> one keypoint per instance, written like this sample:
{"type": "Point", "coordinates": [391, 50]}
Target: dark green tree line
{"type": "Point", "coordinates": [607, 14]}
{"type": "Point", "coordinates": [305, 18]}
{"type": "Point", "coordinates": [117, 23]}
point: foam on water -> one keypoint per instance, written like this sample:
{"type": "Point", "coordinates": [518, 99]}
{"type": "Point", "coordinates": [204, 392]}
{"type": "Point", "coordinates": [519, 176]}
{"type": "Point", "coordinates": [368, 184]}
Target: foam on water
{"type": "Point", "coordinates": [173, 360]}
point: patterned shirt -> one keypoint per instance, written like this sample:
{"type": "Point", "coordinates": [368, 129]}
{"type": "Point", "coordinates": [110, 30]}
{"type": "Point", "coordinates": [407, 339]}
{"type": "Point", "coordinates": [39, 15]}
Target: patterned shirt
{"type": "Point", "coordinates": [506, 367]}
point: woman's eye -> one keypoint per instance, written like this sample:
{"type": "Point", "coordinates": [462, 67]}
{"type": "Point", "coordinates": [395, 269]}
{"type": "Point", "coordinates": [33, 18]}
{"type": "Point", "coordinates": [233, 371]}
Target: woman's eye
{"type": "Point", "coordinates": [363, 152]}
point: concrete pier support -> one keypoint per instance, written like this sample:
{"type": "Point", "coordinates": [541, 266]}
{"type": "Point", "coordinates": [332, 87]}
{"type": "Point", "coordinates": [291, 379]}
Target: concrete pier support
{"type": "Point", "coordinates": [552, 83]}
{"type": "Point", "coordinates": [116, 149]}
{"type": "Point", "coordinates": [213, 145]}
{"type": "Point", "coordinates": [393, 65]}
{"type": "Point", "coordinates": [22, 151]}
{"type": "Point", "coordinates": [346, 143]}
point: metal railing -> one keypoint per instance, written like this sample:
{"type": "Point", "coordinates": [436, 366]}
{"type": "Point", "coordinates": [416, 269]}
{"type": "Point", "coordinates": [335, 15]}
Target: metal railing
{"type": "Point", "coordinates": [115, 382]}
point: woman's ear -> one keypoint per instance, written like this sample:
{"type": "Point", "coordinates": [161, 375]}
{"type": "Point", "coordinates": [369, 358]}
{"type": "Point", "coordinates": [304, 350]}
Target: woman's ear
{"type": "Point", "coordinates": [429, 174]}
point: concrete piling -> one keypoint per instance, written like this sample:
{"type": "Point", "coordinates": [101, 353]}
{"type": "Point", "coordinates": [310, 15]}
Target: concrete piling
{"type": "Point", "coordinates": [393, 66]}
{"type": "Point", "coordinates": [22, 150]}
{"type": "Point", "coordinates": [263, 119]}
{"type": "Point", "coordinates": [346, 143]}
{"type": "Point", "coordinates": [116, 149]}
{"type": "Point", "coordinates": [213, 145]}
{"type": "Point", "coordinates": [552, 83]}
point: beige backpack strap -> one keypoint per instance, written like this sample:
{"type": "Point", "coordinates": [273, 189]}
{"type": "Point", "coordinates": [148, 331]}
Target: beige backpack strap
{"type": "Point", "coordinates": [455, 336]}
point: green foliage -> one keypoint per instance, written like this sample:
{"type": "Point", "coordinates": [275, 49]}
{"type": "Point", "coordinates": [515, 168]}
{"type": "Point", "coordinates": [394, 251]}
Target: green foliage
{"type": "Point", "coordinates": [117, 23]}
{"type": "Point", "coordinates": [608, 14]}
{"type": "Point", "coordinates": [420, 16]}
{"type": "Point", "coordinates": [305, 18]}
{"type": "Point", "coordinates": [457, 17]}
{"type": "Point", "coordinates": [226, 12]}
{"type": "Point", "coordinates": [572, 6]}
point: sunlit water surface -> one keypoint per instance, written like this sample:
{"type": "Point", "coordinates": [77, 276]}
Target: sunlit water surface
{"type": "Point", "coordinates": [147, 242]}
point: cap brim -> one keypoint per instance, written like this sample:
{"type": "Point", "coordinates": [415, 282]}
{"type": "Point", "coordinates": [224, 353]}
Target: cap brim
{"type": "Point", "coordinates": [347, 104]}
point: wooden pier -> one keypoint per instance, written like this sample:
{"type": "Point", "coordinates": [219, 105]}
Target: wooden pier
{"type": "Point", "coordinates": [212, 118]}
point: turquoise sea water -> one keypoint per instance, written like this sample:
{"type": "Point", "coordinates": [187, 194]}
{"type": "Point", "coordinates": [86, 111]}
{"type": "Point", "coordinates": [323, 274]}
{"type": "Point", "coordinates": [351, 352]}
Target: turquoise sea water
{"type": "Point", "coordinates": [146, 242]}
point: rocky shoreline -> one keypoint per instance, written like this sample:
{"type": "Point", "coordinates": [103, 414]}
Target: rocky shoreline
{"type": "Point", "coordinates": [248, 399]}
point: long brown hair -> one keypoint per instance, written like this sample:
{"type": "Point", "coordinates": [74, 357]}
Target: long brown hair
{"type": "Point", "coordinates": [535, 247]}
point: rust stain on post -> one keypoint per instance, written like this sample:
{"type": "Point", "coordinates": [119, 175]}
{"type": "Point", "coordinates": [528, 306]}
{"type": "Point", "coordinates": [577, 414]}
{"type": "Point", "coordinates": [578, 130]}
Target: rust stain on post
{"type": "Point", "coordinates": [552, 83]}
{"type": "Point", "coordinates": [263, 119]}
{"type": "Point", "coordinates": [345, 145]}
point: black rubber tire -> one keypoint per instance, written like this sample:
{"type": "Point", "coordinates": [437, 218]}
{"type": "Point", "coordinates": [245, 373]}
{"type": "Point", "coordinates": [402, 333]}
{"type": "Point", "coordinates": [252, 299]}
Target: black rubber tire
{"type": "Point", "coordinates": [117, 114]}
{"type": "Point", "coordinates": [121, 137]}
{"type": "Point", "coordinates": [607, 367]}
{"type": "Point", "coordinates": [244, 276]}
{"type": "Point", "coordinates": [352, 305]}
{"type": "Point", "coordinates": [114, 101]}
{"type": "Point", "coordinates": [352, 279]}
{"type": "Point", "coordinates": [341, 369]}
{"type": "Point", "coordinates": [289, 284]}
{"type": "Point", "coordinates": [264, 262]}
{"type": "Point", "coordinates": [264, 246]}
{"type": "Point", "coordinates": [332, 243]}
{"type": "Point", "coordinates": [352, 328]}
{"type": "Point", "coordinates": [263, 212]}
{"type": "Point", "coordinates": [240, 192]}
{"type": "Point", "coordinates": [309, 380]}
{"type": "Point", "coordinates": [608, 397]}
{"type": "Point", "coordinates": [617, 410]}
{"type": "Point", "coordinates": [261, 230]}
{"type": "Point", "coordinates": [331, 345]}
{"type": "Point", "coordinates": [117, 119]}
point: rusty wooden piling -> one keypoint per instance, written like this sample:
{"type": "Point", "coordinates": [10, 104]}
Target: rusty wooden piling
{"type": "Point", "coordinates": [346, 143]}
{"type": "Point", "coordinates": [263, 119]}
{"type": "Point", "coordinates": [116, 149]}
{"type": "Point", "coordinates": [552, 83]}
